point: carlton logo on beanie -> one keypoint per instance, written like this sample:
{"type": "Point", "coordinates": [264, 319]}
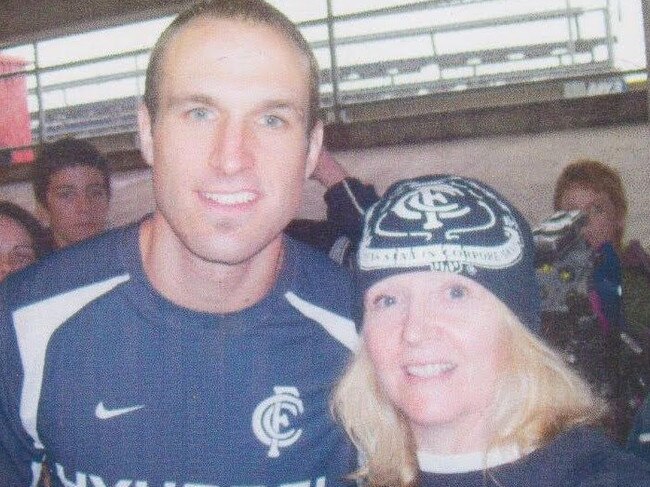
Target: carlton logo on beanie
{"type": "Point", "coordinates": [448, 225]}
{"type": "Point", "coordinates": [451, 224]}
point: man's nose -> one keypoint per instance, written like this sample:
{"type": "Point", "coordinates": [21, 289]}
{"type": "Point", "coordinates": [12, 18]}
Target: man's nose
{"type": "Point", "coordinates": [84, 202]}
{"type": "Point", "coordinates": [230, 152]}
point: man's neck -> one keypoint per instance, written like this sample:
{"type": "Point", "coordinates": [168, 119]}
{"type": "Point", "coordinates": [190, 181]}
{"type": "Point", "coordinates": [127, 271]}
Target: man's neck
{"type": "Point", "coordinates": [194, 283]}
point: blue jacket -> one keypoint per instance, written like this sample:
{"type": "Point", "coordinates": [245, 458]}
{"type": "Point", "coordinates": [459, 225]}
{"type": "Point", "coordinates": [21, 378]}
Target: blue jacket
{"type": "Point", "coordinates": [111, 384]}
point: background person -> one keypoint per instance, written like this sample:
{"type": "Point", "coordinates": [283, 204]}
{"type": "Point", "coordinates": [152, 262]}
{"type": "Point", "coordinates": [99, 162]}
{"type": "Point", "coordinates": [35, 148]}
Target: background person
{"type": "Point", "coordinates": [346, 198]}
{"type": "Point", "coordinates": [72, 182]}
{"type": "Point", "coordinates": [452, 386]}
{"type": "Point", "coordinates": [23, 240]}
{"type": "Point", "coordinates": [199, 346]}
{"type": "Point", "coordinates": [597, 189]}
{"type": "Point", "coordinates": [620, 285]}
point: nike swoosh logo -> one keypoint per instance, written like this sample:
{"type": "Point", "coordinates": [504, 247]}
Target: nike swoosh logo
{"type": "Point", "coordinates": [102, 413]}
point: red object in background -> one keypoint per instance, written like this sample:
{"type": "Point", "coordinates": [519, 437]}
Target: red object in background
{"type": "Point", "coordinates": [15, 124]}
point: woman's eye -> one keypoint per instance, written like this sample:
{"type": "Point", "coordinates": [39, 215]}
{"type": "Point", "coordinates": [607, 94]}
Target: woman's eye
{"type": "Point", "coordinates": [384, 301]}
{"type": "Point", "coordinates": [457, 292]}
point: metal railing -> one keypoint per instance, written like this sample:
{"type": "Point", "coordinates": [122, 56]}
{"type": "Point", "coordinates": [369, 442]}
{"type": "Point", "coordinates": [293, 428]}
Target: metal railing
{"type": "Point", "coordinates": [341, 85]}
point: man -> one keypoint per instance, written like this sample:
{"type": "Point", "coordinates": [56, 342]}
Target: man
{"type": "Point", "coordinates": [198, 347]}
{"type": "Point", "coordinates": [72, 183]}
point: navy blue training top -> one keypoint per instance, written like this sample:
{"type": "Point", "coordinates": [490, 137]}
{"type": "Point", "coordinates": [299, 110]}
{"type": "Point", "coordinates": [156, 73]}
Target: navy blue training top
{"type": "Point", "coordinates": [111, 384]}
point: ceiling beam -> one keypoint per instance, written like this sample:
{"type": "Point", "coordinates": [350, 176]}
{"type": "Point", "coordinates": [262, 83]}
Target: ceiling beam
{"type": "Point", "coordinates": [28, 20]}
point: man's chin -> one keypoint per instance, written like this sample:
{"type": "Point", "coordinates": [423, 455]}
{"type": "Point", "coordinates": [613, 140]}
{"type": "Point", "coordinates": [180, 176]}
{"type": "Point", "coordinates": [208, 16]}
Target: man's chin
{"type": "Point", "coordinates": [237, 253]}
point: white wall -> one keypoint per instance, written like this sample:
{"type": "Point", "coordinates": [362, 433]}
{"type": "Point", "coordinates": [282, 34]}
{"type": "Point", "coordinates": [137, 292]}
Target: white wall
{"type": "Point", "coordinates": [522, 167]}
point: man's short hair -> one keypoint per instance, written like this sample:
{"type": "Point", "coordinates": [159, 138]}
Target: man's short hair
{"type": "Point", "coordinates": [596, 176]}
{"type": "Point", "coordinates": [256, 12]}
{"type": "Point", "coordinates": [63, 153]}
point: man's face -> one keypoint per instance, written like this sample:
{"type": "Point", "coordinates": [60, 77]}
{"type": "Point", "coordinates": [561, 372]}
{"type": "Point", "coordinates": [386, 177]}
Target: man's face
{"type": "Point", "coordinates": [603, 223]}
{"type": "Point", "coordinates": [230, 148]}
{"type": "Point", "coordinates": [76, 201]}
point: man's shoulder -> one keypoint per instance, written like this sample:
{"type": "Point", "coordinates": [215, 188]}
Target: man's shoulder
{"type": "Point", "coordinates": [317, 266]}
{"type": "Point", "coordinates": [318, 279]}
{"type": "Point", "coordinates": [95, 260]}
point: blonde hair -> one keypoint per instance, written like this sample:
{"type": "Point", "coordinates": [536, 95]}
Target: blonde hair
{"type": "Point", "coordinates": [538, 397]}
{"type": "Point", "coordinates": [378, 430]}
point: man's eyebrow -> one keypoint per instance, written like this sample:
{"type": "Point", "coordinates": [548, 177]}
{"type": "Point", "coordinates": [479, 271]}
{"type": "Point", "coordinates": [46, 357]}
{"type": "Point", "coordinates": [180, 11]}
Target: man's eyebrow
{"type": "Point", "coordinates": [63, 186]}
{"type": "Point", "coordinates": [285, 106]}
{"type": "Point", "coordinates": [176, 100]}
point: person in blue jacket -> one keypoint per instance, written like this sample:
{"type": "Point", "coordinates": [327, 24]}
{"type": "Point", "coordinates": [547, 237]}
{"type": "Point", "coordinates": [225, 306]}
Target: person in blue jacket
{"type": "Point", "coordinates": [347, 199]}
{"type": "Point", "coordinates": [72, 184]}
{"type": "Point", "coordinates": [451, 384]}
{"type": "Point", "coordinates": [198, 347]}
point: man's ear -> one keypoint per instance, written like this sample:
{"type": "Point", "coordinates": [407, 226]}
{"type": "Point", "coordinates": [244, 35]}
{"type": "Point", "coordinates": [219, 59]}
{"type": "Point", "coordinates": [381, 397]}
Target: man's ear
{"type": "Point", "coordinates": [313, 149]}
{"type": "Point", "coordinates": [620, 224]}
{"type": "Point", "coordinates": [144, 131]}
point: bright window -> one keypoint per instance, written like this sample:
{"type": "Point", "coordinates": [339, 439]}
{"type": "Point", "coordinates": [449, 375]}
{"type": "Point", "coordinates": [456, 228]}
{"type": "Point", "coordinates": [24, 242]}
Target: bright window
{"type": "Point", "coordinates": [89, 84]}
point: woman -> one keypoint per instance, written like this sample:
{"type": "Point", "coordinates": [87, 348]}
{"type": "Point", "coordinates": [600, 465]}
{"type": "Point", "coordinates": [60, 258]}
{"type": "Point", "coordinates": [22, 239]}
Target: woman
{"type": "Point", "coordinates": [597, 190]}
{"type": "Point", "coordinates": [451, 385]}
{"type": "Point", "coordinates": [619, 293]}
{"type": "Point", "coordinates": [23, 239]}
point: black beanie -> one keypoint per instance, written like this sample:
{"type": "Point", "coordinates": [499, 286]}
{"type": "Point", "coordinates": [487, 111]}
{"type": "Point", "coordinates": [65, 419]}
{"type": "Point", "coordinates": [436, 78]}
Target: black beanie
{"type": "Point", "coordinates": [451, 224]}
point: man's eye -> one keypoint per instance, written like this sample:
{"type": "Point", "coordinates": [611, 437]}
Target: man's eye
{"type": "Point", "coordinates": [64, 194]}
{"type": "Point", "coordinates": [200, 113]}
{"type": "Point", "coordinates": [98, 193]}
{"type": "Point", "coordinates": [23, 258]}
{"type": "Point", "coordinates": [457, 292]}
{"type": "Point", "coordinates": [597, 209]}
{"type": "Point", "coordinates": [272, 121]}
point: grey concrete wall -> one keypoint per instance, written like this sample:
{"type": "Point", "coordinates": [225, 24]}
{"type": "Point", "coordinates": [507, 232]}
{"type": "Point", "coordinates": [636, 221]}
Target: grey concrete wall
{"type": "Point", "coordinates": [522, 167]}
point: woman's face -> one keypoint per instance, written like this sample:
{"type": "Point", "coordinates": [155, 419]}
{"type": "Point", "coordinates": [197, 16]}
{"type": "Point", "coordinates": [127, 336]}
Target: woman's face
{"type": "Point", "coordinates": [437, 342]}
{"type": "Point", "coordinates": [16, 246]}
{"type": "Point", "coordinates": [603, 223]}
